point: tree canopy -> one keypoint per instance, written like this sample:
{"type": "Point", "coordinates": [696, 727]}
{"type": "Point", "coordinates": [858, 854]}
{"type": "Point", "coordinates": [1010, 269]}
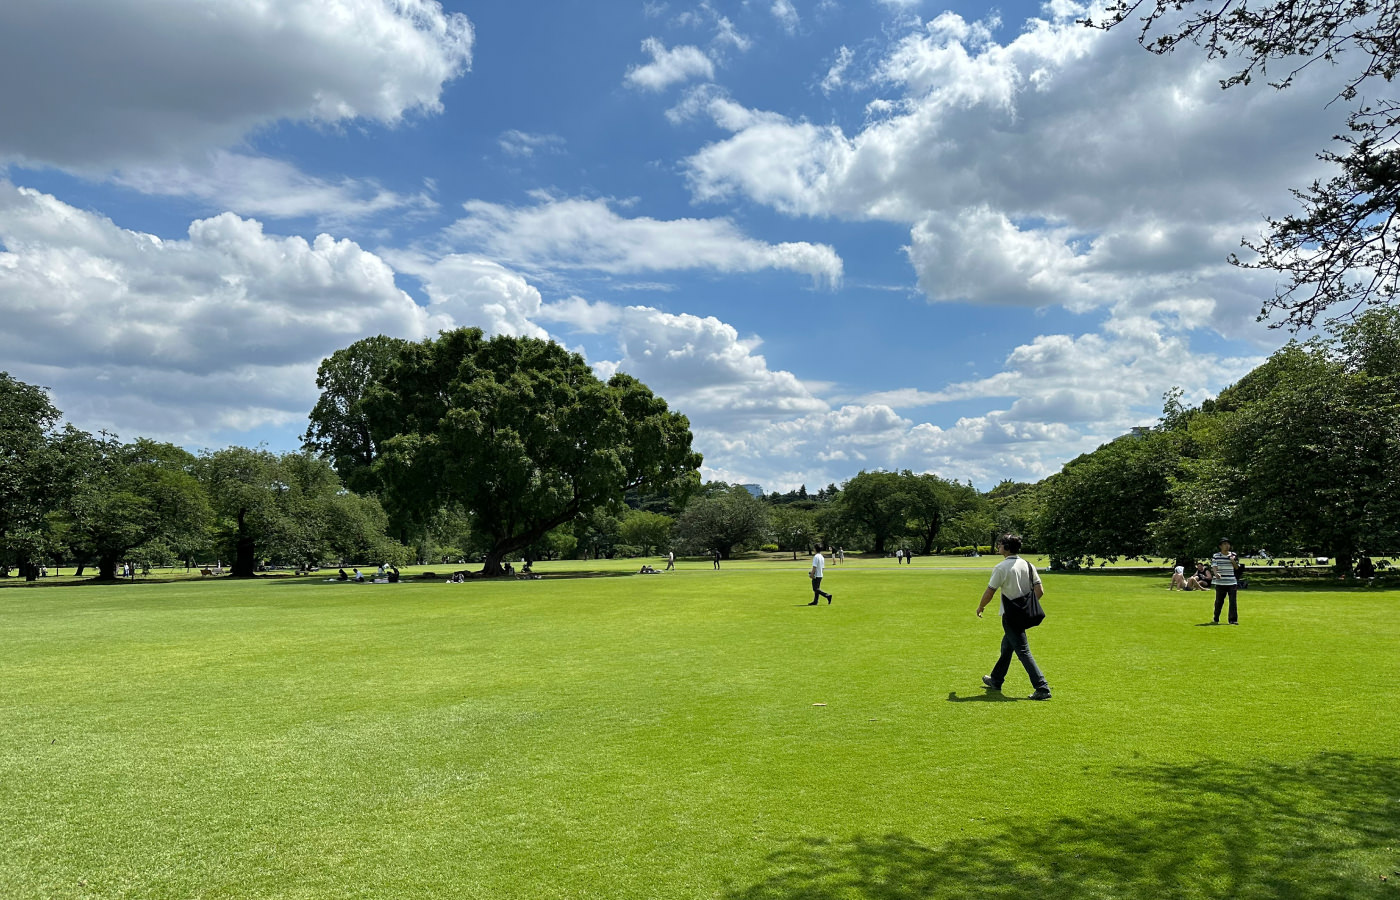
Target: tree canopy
{"type": "Point", "coordinates": [518, 431]}
{"type": "Point", "coordinates": [1338, 255]}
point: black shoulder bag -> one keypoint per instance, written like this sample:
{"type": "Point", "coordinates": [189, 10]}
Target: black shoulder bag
{"type": "Point", "coordinates": [1023, 612]}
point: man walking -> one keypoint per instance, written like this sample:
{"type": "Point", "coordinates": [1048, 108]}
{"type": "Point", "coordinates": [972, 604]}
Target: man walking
{"type": "Point", "coordinates": [1014, 577]}
{"type": "Point", "coordinates": [715, 557]}
{"type": "Point", "coordinates": [1223, 563]}
{"type": "Point", "coordinates": [670, 560]}
{"type": "Point", "coordinates": [818, 567]}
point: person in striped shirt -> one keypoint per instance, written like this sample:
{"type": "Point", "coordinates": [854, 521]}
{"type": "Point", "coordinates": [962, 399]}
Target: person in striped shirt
{"type": "Point", "coordinates": [1223, 562]}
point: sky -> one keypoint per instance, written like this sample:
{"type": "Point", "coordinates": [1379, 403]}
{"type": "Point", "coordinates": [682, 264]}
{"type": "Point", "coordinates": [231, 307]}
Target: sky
{"type": "Point", "coordinates": [836, 234]}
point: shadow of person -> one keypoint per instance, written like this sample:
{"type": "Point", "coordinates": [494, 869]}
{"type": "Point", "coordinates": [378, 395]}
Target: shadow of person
{"type": "Point", "coordinates": [1211, 829]}
{"type": "Point", "coordinates": [988, 697]}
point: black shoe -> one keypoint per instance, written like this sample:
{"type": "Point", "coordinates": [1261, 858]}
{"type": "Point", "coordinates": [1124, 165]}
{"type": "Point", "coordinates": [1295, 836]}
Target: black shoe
{"type": "Point", "coordinates": [1234, 623]}
{"type": "Point", "coordinates": [828, 599]}
{"type": "Point", "coordinates": [1042, 694]}
{"type": "Point", "coordinates": [813, 603]}
{"type": "Point", "coordinates": [990, 684]}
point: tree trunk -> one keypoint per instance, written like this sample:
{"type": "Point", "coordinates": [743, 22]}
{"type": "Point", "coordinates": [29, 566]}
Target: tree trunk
{"type": "Point", "coordinates": [106, 569]}
{"type": "Point", "coordinates": [491, 566]}
{"type": "Point", "coordinates": [78, 573]}
{"type": "Point", "coordinates": [243, 559]}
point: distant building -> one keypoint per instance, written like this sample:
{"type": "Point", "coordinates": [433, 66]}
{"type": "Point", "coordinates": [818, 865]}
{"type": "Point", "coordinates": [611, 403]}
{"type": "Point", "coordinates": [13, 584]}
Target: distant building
{"type": "Point", "coordinates": [754, 489]}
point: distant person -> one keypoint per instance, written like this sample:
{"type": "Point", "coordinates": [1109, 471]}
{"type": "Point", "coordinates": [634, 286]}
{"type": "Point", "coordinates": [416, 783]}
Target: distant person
{"type": "Point", "coordinates": [1223, 566]}
{"type": "Point", "coordinates": [1178, 579]}
{"type": "Point", "coordinates": [898, 555]}
{"type": "Point", "coordinates": [715, 557]}
{"type": "Point", "coordinates": [1014, 577]}
{"type": "Point", "coordinates": [357, 576]}
{"type": "Point", "coordinates": [343, 576]}
{"type": "Point", "coordinates": [840, 554]}
{"type": "Point", "coordinates": [1365, 568]}
{"type": "Point", "coordinates": [393, 574]}
{"type": "Point", "coordinates": [670, 560]}
{"type": "Point", "coordinates": [815, 573]}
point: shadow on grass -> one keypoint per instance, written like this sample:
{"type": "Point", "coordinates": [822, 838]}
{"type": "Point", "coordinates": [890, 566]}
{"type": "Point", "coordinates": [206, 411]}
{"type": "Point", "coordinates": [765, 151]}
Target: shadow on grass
{"type": "Point", "coordinates": [988, 697]}
{"type": "Point", "coordinates": [1326, 828]}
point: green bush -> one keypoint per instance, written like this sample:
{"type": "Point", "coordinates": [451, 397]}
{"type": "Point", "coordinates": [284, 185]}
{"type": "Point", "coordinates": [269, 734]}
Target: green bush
{"type": "Point", "coordinates": [769, 548]}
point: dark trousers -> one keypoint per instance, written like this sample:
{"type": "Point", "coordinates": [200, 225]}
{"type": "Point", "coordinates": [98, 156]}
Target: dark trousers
{"type": "Point", "coordinates": [1015, 642]}
{"type": "Point", "coordinates": [817, 590]}
{"type": "Point", "coordinates": [1221, 590]}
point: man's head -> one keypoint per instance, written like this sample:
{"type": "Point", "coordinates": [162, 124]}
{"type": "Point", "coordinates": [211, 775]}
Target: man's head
{"type": "Point", "coordinates": [1225, 544]}
{"type": "Point", "coordinates": [1011, 543]}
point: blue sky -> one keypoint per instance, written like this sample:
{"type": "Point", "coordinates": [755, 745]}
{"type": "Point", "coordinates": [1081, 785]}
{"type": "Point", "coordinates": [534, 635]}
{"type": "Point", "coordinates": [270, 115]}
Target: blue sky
{"type": "Point", "coordinates": [837, 234]}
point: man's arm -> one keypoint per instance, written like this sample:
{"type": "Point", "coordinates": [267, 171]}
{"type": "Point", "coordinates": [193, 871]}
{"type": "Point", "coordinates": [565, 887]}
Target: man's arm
{"type": "Point", "coordinates": [987, 596]}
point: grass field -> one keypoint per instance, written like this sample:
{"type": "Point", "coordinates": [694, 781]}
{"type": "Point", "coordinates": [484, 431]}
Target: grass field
{"type": "Point", "coordinates": [694, 734]}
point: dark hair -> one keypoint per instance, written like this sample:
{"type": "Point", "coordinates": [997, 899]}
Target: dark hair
{"type": "Point", "coordinates": [1011, 543]}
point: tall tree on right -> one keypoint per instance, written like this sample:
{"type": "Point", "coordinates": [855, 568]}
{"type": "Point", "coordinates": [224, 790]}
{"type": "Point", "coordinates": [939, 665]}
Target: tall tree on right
{"type": "Point", "coordinates": [1338, 255]}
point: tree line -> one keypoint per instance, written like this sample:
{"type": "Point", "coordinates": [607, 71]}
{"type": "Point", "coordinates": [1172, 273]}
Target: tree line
{"type": "Point", "coordinates": [462, 447]}
{"type": "Point", "coordinates": [1300, 457]}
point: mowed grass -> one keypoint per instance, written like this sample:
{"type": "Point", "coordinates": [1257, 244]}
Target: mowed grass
{"type": "Point", "coordinates": [661, 737]}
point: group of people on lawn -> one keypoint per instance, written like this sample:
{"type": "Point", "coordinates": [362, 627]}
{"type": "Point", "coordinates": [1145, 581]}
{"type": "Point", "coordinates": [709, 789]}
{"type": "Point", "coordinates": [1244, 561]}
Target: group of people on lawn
{"type": "Point", "coordinates": [1224, 573]}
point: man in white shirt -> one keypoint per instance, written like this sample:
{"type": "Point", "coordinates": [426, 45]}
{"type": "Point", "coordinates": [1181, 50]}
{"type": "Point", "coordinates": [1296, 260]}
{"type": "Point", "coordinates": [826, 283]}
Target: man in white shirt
{"type": "Point", "coordinates": [818, 567]}
{"type": "Point", "coordinates": [1014, 577]}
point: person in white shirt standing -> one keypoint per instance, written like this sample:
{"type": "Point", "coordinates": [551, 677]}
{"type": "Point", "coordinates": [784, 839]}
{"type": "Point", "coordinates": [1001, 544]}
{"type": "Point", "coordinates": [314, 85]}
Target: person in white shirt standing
{"type": "Point", "coordinates": [818, 567]}
{"type": "Point", "coordinates": [1014, 577]}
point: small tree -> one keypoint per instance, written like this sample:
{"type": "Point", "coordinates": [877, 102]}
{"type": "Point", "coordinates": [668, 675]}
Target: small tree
{"type": "Point", "coordinates": [729, 518]}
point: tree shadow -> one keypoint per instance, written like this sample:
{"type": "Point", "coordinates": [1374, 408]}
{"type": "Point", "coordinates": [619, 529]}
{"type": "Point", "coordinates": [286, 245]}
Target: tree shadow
{"type": "Point", "coordinates": [1325, 828]}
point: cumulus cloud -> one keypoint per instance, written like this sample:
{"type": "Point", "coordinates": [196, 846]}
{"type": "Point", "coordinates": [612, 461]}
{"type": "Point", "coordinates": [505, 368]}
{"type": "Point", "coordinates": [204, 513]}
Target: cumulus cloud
{"type": "Point", "coordinates": [196, 77]}
{"type": "Point", "coordinates": [1018, 191]}
{"type": "Point", "coordinates": [222, 329]}
{"type": "Point", "coordinates": [588, 234]}
{"type": "Point", "coordinates": [471, 290]}
{"type": "Point", "coordinates": [669, 66]}
{"type": "Point", "coordinates": [706, 370]}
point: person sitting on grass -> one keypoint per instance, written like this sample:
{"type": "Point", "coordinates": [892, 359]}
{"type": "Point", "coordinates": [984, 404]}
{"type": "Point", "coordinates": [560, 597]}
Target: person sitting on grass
{"type": "Point", "coordinates": [343, 576]}
{"type": "Point", "coordinates": [1178, 579]}
{"type": "Point", "coordinates": [357, 576]}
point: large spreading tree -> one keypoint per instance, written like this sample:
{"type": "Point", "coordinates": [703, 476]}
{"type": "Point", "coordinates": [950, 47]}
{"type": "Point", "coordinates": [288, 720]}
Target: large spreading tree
{"type": "Point", "coordinates": [518, 432]}
{"type": "Point", "coordinates": [1338, 254]}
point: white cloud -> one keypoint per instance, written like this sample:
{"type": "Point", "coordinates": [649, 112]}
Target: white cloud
{"type": "Point", "coordinates": [589, 234]}
{"type": "Point", "coordinates": [524, 144]}
{"type": "Point", "coordinates": [836, 74]}
{"type": "Point", "coordinates": [704, 369]}
{"type": "Point", "coordinates": [582, 316]}
{"type": "Point", "coordinates": [471, 290]}
{"type": "Point", "coordinates": [258, 186]}
{"type": "Point", "coordinates": [195, 76]}
{"type": "Point", "coordinates": [1017, 189]}
{"type": "Point", "coordinates": [669, 66]}
{"type": "Point", "coordinates": [727, 34]}
{"type": "Point", "coordinates": [222, 329]}
{"type": "Point", "coordinates": [786, 14]}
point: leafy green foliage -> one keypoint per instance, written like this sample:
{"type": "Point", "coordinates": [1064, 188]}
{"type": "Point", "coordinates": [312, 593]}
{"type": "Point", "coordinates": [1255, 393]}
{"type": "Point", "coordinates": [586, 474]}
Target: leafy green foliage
{"type": "Point", "coordinates": [730, 517]}
{"type": "Point", "coordinates": [518, 432]}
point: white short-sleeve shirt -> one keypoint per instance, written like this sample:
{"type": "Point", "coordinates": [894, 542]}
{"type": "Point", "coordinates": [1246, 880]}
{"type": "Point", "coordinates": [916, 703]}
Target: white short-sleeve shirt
{"type": "Point", "coordinates": [1013, 578]}
{"type": "Point", "coordinates": [818, 566]}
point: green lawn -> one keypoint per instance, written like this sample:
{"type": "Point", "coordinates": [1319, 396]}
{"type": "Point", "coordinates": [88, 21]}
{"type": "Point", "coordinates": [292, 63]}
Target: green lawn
{"type": "Point", "coordinates": [694, 734]}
